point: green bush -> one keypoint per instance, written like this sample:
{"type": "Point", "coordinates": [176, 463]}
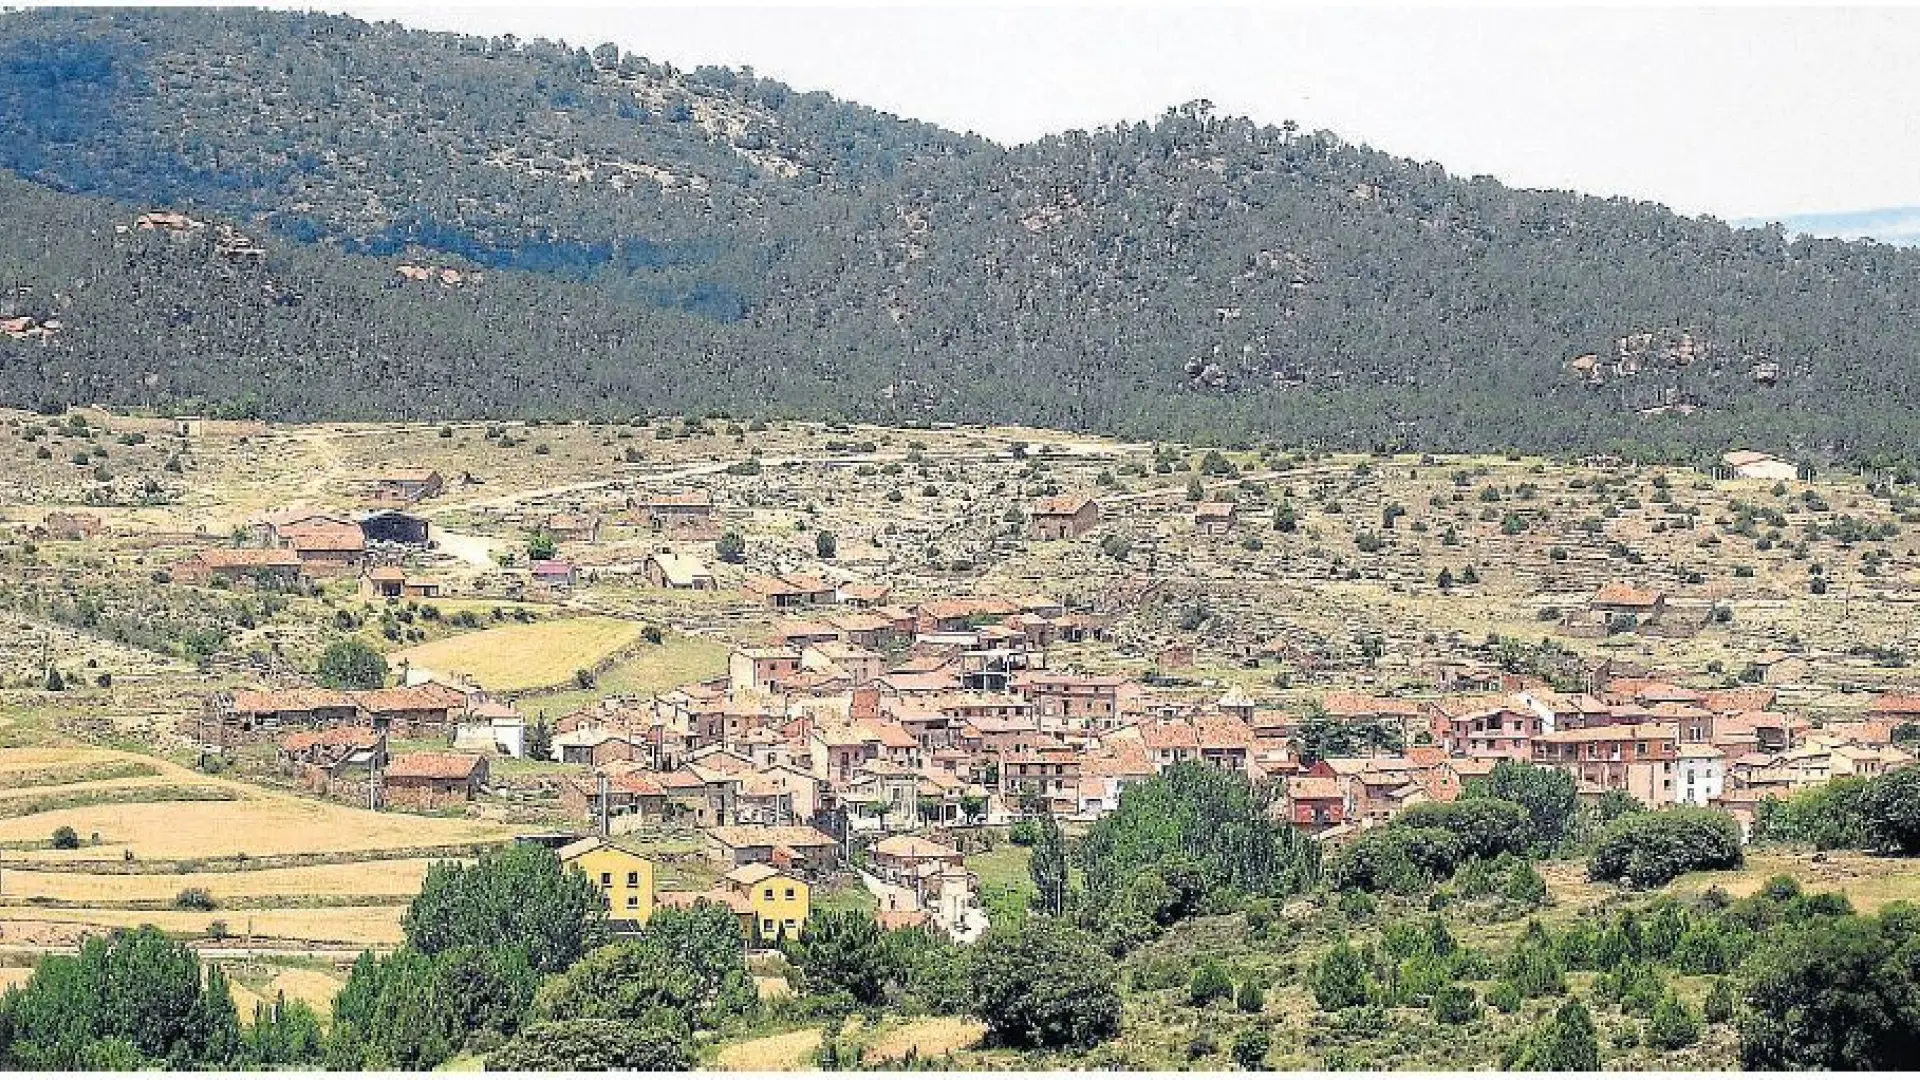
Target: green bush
{"type": "Point", "coordinates": [1209, 984]}
{"type": "Point", "coordinates": [1455, 1005]}
{"type": "Point", "coordinates": [1647, 850]}
{"type": "Point", "coordinates": [1673, 1025]}
{"type": "Point", "coordinates": [1250, 1049]}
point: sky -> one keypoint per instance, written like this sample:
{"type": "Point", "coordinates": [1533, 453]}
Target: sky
{"type": "Point", "coordinates": [1755, 112]}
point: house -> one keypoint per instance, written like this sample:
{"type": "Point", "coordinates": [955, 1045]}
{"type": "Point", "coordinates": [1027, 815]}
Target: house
{"type": "Point", "coordinates": [267, 710]}
{"type": "Point", "coordinates": [574, 528]}
{"type": "Point", "coordinates": [325, 545]}
{"type": "Point", "coordinates": [665, 570]}
{"type": "Point", "coordinates": [423, 710]}
{"type": "Point", "coordinates": [1703, 773]}
{"type": "Point", "coordinates": [776, 903]}
{"type": "Point", "coordinates": [1616, 599]}
{"type": "Point", "coordinates": [669, 511]}
{"type": "Point", "coordinates": [862, 595]}
{"type": "Point", "coordinates": [491, 727]}
{"type": "Point", "coordinates": [1063, 517]}
{"type": "Point", "coordinates": [900, 858]}
{"type": "Point", "coordinates": [623, 875]}
{"type": "Point", "coordinates": [1073, 701]}
{"type": "Point", "coordinates": [1638, 759]}
{"type": "Point", "coordinates": [430, 780]}
{"type": "Point", "coordinates": [320, 761]}
{"type": "Point", "coordinates": [552, 573]}
{"type": "Point", "coordinates": [395, 527]}
{"type": "Point", "coordinates": [1753, 465]}
{"type": "Point", "coordinates": [860, 666]}
{"type": "Point", "coordinates": [1316, 802]}
{"type": "Point", "coordinates": [64, 526]}
{"type": "Point", "coordinates": [259, 566]}
{"type": "Point", "coordinates": [765, 670]}
{"type": "Point", "coordinates": [1898, 707]}
{"type": "Point", "coordinates": [632, 794]}
{"type": "Point", "coordinates": [1214, 518]}
{"type": "Point", "coordinates": [788, 591]}
{"type": "Point", "coordinates": [799, 849]}
{"type": "Point", "coordinates": [407, 485]}
{"type": "Point", "coordinates": [595, 747]}
{"type": "Point", "coordinates": [392, 583]}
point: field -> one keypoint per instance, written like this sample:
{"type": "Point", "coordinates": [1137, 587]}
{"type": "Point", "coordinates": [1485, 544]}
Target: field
{"type": "Point", "coordinates": [649, 669]}
{"type": "Point", "coordinates": [339, 888]}
{"type": "Point", "coordinates": [527, 656]}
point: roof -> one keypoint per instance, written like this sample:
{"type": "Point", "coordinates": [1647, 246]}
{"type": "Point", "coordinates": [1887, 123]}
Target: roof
{"type": "Point", "coordinates": [868, 592]}
{"type": "Point", "coordinates": [409, 475]}
{"type": "Point", "coordinates": [551, 568]}
{"type": "Point", "coordinates": [682, 498]}
{"type": "Point", "coordinates": [429, 765]}
{"type": "Point", "coordinates": [1610, 732]}
{"type": "Point", "coordinates": [387, 573]}
{"type": "Point", "coordinates": [410, 698]}
{"type": "Point", "coordinates": [1899, 704]}
{"type": "Point", "coordinates": [1315, 787]}
{"type": "Point", "coordinates": [1341, 703]}
{"type": "Point", "coordinates": [1211, 511]}
{"type": "Point", "coordinates": [1061, 505]}
{"type": "Point", "coordinates": [328, 536]}
{"type": "Point", "coordinates": [589, 844]}
{"type": "Point", "coordinates": [679, 569]}
{"type": "Point", "coordinates": [906, 846]}
{"type": "Point", "coordinates": [1617, 594]}
{"type": "Point", "coordinates": [793, 836]}
{"type": "Point", "coordinates": [297, 699]}
{"type": "Point", "coordinates": [752, 874]}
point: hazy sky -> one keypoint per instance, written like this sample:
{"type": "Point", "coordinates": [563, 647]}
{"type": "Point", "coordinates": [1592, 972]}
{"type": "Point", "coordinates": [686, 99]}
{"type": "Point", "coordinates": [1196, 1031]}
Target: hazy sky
{"type": "Point", "coordinates": [1734, 112]}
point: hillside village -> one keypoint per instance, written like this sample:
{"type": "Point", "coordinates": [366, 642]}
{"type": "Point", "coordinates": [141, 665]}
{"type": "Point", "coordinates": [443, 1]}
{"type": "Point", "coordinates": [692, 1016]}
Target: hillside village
{"type": "Point", "coordinates": [796, 668]}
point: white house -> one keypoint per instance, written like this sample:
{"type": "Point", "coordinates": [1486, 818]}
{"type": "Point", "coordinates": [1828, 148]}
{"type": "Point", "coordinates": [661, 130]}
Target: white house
{"type": "Point", "coordinates": [1702, 771]}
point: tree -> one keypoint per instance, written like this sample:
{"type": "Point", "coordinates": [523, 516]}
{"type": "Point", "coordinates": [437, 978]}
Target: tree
{"type": "Point", "coordinates": [1210, 983]}
{"type": "Point", "coordinates": [592, 1046]}
{"type": "Point", "coordinates": [1455, 1004]}
{"type": "Point", "coordinates": [287, 1033]}
{"type": "Point", "coordinates": [539, 742]}
{"type": "Point", "coordinates": [826, 544]}
{"type": "Point", "coordinates": [1044, 985]}
{"type": "Point", "coordinates": [1890, 810]}
{"type": "Point", "coordinates": [974, 806]}
{"type": "Point", "coordinates": [1719, 1006]}
{"type": "Point", "coordinates": [518, 896]}
{"type": "Point", "coordinates": [1250, 998]}
{"type": "Point", "coordinates": [541, 546]}
{"type": "Point", "coordinates": [731, 546]}
{"type": "Point", "coordinates": [1548, 796]}
{"type": "Point", "coordinates": [1833, 994]}
{"type": "Point", "coordinates": [1565, 1042]}
{"type": "Point", "coordinates": [687, 967]}
{"type": "Point", "coordinates": [1339, 979]}
{"type": "Point", "coordinates": [492, 989]}
{"type": "Point", "coordinates": [393, 1013]}
{"type": "Point", "coordinates": [1047, 864]}
{"type": "Point", "coordinates": [1195, 492]}
{"type": "Point", "coordinates": [130, 999]}
{"type": "Point", "coordinates": [1672, 1026]}
{"type": "Point", "coordinates": [1250, 1049]}
{"type": "Point", "coordinates": [1204, 821]}
{"type": "Point", "coordinates": [351, 664]}
{"type": "Point", "coordinates": [843, 951]}
{"type": "Point", "coordinates": [65, 838]}
{"type": "Point", "coordinates": [1648, 850]}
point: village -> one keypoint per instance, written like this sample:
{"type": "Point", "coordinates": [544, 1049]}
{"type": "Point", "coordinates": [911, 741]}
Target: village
{"type": "Point", "coordinates": [791, 667]}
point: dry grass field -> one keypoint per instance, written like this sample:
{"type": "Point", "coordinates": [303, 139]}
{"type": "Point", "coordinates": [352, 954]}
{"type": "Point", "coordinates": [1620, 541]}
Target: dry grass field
{"type": "Point", "coordinates": [790, 1051]}
{"type": "Point", "coordinates": [927, 1037]}
{"type": "Point", "coordinates": [524, 656]}
{"type": "Point", "coordinates": [677, 660]}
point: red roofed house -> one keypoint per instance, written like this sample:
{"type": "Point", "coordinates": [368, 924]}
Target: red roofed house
{"type": "Point", "coordinates": [256, 565]}
{"type": "Point", "coordinates": [1063, 517]}
{"type": "Point", "coordinates": [1316, 801]}
{"type": "Point", "coordinates": [1615, 598]}
{"type": "Point", "coordinates": [407, 485]}
{"type": "Point", "coordinates": [430, 780]}
{"type": "Point", "coordinates": [553, 573]}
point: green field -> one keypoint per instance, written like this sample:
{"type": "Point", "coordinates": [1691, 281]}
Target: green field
{"type": "Point", "coordinates": [525, 656]}
{"type": "Point", "coordinates": [648, 669]}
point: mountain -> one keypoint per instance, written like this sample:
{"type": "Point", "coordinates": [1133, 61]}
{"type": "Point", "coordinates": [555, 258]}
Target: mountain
{"type": "Point", "coordinates": [435, 225]}
{"type": "Point", "coordinates": [1897, 225]}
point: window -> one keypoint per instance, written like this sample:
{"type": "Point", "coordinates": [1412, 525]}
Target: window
{"type": "Point", "coordinates": [633, 879]}
{"type": "Point", "coordinates": [769, 894]}
{"type": "Point", "coordinates": [606, 880]}
{"type": "Point", "coordinates": [633, 901]}
{"type": "Point", "coordinates": [789, 893]}
{"type": "Point", "coordinates": [766, 927]}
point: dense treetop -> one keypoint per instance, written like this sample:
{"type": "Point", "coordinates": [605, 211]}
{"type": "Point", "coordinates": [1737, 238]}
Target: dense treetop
{"type": "Point", "coordinates": [654, 239]}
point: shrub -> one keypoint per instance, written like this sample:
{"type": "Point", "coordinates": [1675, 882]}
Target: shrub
{"type": "Point", "coordinates": [1648, 850]}
{"type": "Point", "coordinates": [1455, 1005]}
{"type": "Point", "coordinates": [1209, 984]}
{"type": "Point", "coordinates": [592, 1046]}
{"type": "Point", "coordinates": [1250, 998]}
{"type": "Point", "coordinates": [194, 900]}
{"type": "Point", "coordinates": [1250, 1049]}
{"type": "Point", "coordinates": [1340, 978]}
{"type": "Point", "coordinates": [1673, 1026]}
{"type": "Point", "coordinates": [1043, 985]}
{"type": "Point", "coordinates": [65, 838]}
{"type": "Point", "coordinates": [1719, 1007]}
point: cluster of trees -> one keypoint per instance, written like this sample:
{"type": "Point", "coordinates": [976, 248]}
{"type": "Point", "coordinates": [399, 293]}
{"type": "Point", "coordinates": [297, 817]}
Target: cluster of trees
{"type": "Point", "coordinates": [1192, 839]}
{"type": "Point", "coordinates": [1880, 813]}
{"type": "Point", "coordinates": [812, 254]}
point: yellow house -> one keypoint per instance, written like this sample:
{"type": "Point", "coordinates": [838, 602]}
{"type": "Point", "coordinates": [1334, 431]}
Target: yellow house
{"type": "Point", "coordinates": [776, 903]}
{"type": "Point", "coordinates": [625, 876]}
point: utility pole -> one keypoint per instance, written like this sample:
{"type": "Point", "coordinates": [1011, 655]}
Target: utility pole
{"type": "Point", "coordinates": [603, 805]}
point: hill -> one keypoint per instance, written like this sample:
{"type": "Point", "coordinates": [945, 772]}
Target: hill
{"type": "Point", "coordinates": [649, 239]}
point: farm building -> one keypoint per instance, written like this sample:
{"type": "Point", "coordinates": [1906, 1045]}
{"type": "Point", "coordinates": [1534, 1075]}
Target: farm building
{"type": "Point", "coordinates": [1063, 517]}
{"type": "Point", "coordinates": [789, 591]}
{"type": "Point", "coordinates": [306, 707]}
{"type": "Point", "coordinates": [1753, 465]}
{"type": "Point", "coordinates": [1214, 517]}
{"type": "Point", "coordinates": [392, 583]}
{"type": "Point", "coordinates": [553, 573]}
{"type": "Point", "coordinates": [668, 511]}
{"type": "Point", "coordinates": [574, 528]}
{"type": "Point", "coordinates": [802, 849]}
{"type": "Point", "coordinates": [633, 795]}
{"type": "Point", "coordinates": [408, 485]}
{"type": "Point", "coordinates": [320, 761]}
{"type": "Point", "coordinates": [255, 565]}
{"type": "Point", "coordinates": [665, 570]}
{"type": "Point", "coordinates": [65, 526]}
{"type": "Point", "coordinates": [429, 780]}
{"type": "Point", "coordinates": [395, 527]}
{"type": "Point", "coordinates": [1618, 599]}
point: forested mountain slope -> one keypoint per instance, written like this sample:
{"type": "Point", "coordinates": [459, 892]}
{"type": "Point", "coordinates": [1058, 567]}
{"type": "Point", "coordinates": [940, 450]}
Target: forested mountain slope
{"type": "Point", "coordinates": [652, 239]}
